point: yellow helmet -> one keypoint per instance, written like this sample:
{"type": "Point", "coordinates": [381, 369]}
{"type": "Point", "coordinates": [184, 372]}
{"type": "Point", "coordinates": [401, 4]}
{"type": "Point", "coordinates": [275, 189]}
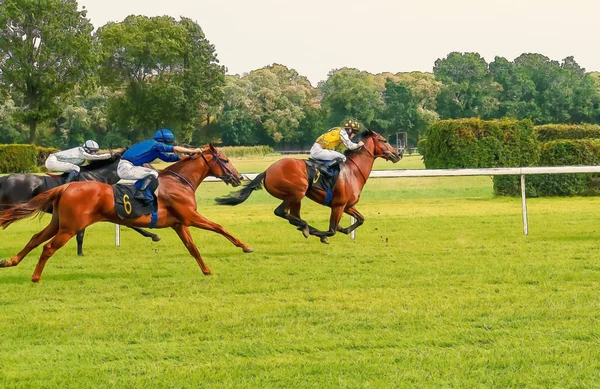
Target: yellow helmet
{"type": "Point", "coordinates": [353, 124]}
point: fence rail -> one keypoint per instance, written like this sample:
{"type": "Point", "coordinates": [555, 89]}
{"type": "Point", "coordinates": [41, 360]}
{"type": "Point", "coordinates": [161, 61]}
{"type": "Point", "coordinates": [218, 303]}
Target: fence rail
{"type": "Point", "coordinates": [509, 171]}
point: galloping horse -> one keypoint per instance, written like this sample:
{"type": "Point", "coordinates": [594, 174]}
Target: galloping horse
{"type": "Point", "coordinates": [20, 188]}
{"type": "Point", "coordinates": [287, 179]}
{"type": "Point", "coordinates": [80, 204]}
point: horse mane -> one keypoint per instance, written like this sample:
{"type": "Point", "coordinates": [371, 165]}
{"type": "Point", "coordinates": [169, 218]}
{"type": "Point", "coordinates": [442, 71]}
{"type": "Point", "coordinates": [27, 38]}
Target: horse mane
{"type": "Point", "coordinates": [363, 135]}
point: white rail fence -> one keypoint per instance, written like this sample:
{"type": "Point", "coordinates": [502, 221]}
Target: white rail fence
{"type": "Point", "coordinates": [511, 171]}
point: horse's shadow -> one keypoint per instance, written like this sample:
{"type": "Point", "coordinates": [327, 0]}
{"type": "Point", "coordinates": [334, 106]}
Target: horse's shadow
{"type": "Point", "coordinates": [23, 279]}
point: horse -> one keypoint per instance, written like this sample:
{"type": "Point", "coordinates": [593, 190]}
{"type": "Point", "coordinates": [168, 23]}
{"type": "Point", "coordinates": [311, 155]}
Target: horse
{"type": "Point", "coordinates": [20, 188]}
{"type": "Point", "coordinates": [79, 204]}
{"type": "Point", "coordinates": [288, 180]}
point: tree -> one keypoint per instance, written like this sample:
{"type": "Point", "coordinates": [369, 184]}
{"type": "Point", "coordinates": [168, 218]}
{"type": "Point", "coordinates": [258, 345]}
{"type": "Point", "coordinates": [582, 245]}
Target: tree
{"type": "Point", "coordinates": [167, 73]}
{"type": "Point", "coordinates": [351, 93]}
{"type": "Point", "coordinates": [45, 50]}
{"type": "Point", "coordinates": [402, 111]}
{"type": "Point", "coordinates": [270, 105]}
{"type": "Point", "coordinates": [468, 89]}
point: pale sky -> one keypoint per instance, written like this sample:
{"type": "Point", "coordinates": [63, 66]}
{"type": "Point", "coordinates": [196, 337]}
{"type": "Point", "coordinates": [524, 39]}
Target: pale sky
{"type": "Point", "coordinates": [316, 36]}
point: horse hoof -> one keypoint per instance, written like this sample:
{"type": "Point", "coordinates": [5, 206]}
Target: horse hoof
{"type": "Point", "coordinates": [156, 238]}
{"type": "Point", "coordinates": [305, 232]}
{"type": "Point", "coordinates": [325, 240]}
{"type": "Point", "coordinates": [248, 250]}
{"type": "Point", "coordinates": [3, 263]}
{"type": "Point", "coordinates": [35, 280]}
{"type": "Point", "coordinates": [207, 273]}
{"type": "Point", "coordinates": [80, 254]}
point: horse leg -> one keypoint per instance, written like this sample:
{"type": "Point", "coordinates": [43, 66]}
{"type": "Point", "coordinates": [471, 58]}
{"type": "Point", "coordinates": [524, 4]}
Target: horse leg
{"type": "Point", "coordinates": [80, 235]}
{"type": "Point", "coordinates": [155, 238]}
{"type": "Point", "coordinates": [334, 221]}
{"type": "Point", "coordinates": [200, 221]}
{"type": "Point", "coordinates": [289, 210]}
{"type": "Point", "coordinates": [359, 221]}
{"type": "Point", "coordinates": [36, 240]}
{"type": "Point", "coordinates": [61, 238]}
{"type": "Point", "coordinates": [186, 238]}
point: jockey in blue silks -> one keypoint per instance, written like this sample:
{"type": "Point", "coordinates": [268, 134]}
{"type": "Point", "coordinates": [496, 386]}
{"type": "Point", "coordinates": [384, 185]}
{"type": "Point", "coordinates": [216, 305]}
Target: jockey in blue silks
{"type": "Point", "coordinates": [161, 147]}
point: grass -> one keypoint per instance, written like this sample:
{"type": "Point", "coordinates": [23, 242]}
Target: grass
{"type": "Point", "coordinates": [440, 290]}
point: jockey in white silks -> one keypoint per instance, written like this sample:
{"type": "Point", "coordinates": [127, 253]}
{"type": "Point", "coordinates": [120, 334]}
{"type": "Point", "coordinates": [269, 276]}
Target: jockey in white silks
{"type": "Point", "coordinates": [70, 160]}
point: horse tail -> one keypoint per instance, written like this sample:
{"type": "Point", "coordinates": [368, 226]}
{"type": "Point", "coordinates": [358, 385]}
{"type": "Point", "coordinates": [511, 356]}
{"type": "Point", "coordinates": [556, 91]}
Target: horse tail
{"type": "Point", "coordinates": [35, 206]}
{"type": "Point", "coordinates": [242, 195]}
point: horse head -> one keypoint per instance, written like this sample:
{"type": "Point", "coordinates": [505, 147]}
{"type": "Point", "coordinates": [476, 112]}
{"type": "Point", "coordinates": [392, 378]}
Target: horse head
{"type": "Point", "coordinates": [378, 146]}
{"type": "Point", "coordinates": [220, 166]}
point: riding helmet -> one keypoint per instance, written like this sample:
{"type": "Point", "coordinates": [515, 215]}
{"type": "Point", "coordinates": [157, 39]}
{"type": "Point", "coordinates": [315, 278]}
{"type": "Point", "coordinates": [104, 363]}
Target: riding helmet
{"type": "Point", "coordinates": [164, 136]}
{"type": "Point", "coordinates": [91, 145]}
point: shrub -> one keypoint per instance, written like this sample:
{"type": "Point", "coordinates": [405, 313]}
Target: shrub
{"type": "Point", "coordinates": [550, 132]}
{"type": "Point", "coordinates": [18, 158]}
{"type": "Point", "coordinates": [247, 151]}
{"type": "Point", "coordinates": [476, 143]}
{"type": "Point", "coordinates": [23, 158]}
{"type": "Point", "coordinates": [43, 153]}
{"type": "Point", "coordinates": [567, 152]}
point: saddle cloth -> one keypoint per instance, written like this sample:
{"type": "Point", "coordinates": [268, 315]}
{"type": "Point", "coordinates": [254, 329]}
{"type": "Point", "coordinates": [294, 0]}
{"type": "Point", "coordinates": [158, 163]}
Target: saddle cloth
{"type": "Point", "coordinates": [322, 178]}
{"type": "Point", "coordinates": [128, 207]}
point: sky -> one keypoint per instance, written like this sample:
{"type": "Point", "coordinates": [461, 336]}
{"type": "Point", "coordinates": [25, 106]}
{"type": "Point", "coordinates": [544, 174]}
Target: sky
{"type": "Point", "coordinates": [317, 36]}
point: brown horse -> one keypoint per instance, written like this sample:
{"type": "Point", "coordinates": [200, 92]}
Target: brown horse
{"type": "Point", "coordinates": [80, 204]}
{"type": "Point", "coordinates": [287, 179]}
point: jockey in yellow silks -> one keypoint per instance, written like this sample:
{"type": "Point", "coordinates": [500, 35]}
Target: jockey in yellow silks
{"type": "Point", "coordinates": [323, 149]}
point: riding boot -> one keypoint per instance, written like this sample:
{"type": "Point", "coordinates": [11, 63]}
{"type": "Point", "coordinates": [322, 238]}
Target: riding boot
{"type": "Point", "coordinates": [73, 176]}
{"type": "Point", "coordinates": [333, 163]}
{"type": "Point", "coordinates": [141, 193]}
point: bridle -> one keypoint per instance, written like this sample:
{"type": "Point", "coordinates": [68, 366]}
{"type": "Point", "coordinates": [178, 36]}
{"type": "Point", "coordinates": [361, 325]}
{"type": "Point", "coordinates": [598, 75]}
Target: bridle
{"type": "Point", "coordinates": [228, 176]}
{"type": "Point", "coordinates": [374, 156]}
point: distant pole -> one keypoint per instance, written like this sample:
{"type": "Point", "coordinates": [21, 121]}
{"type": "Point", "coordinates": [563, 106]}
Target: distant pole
{"type": "Point", "coordinates": [524, 205]}
{"type": "Point", "coordinates": [118, 235]}
{"type": "Point", "coordinates": [353, 233]}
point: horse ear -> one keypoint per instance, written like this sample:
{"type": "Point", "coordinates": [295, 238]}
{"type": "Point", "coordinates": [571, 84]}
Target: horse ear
{"type": "Point", "coordinates": [211, 146]}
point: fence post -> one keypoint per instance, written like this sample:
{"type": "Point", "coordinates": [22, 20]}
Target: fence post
{"type": "Point", "coordinates": [353, 233]}
{"type": "Point", "coordinates": [117, 235]}
{"type": "Point", "coordinates": [524, 205]}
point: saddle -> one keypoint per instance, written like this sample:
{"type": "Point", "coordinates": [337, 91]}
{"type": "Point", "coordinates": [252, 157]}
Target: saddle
{"type": "Point", "coordinates": [321, 177]}
{"type": "Point", "coordinates": [128, 207]}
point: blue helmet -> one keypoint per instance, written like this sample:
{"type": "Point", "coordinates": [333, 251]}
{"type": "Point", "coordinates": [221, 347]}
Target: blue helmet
{"type": "Point", "coordinates": [164, 136]}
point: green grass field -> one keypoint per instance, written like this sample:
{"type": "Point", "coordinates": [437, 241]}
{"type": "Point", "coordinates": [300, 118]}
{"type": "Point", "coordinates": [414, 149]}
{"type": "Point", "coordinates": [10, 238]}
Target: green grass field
{"type": "Point", "coordinates": [440, 290]}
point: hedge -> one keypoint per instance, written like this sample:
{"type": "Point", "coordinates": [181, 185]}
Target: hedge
{"type": "Point", "coordinates": [568, 152]}
{"type": "Point", "coordinates": [550, 132]}
{"type": "Point", "coordinates": [247, 151]}
{"type": "Point", "coordinates": [476, 143]}
{"type": "Point", "coordinates": [22, 158]}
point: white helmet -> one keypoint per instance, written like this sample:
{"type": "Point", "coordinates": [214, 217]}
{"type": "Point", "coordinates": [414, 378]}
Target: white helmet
{"type": "Point", "coordinates": [91, 145]}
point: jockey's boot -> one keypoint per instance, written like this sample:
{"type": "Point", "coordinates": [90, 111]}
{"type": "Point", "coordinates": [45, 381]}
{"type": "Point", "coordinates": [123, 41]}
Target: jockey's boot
{"type": "Point", "coordinates": [73, 176]}
{"type": "Point", "coordinates": [141, 193]}
{"type": "Point", "coordinates": [333, 163]}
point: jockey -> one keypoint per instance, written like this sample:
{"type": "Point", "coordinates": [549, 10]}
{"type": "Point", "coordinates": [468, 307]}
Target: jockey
{"type": "Point", "coordinates": [323, 149]}
{"type": "Point", "coordinates": [161, 147]}
{"type": "Point", "coordinates": [70, 160]}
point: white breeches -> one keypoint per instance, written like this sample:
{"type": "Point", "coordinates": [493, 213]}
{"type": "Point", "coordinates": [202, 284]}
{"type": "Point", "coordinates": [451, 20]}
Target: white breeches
{"type": "Point", "coordinates": [127, 171]}
{"type": "Point", "coordinates": [54, 165]}
{"type": "Point", "coordinates": [318, 152]}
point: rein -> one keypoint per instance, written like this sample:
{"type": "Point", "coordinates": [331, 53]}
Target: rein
{"type": "Point", "coordinates": [181, 178]}
{"type": "Point", "coordinates": [224, 168]}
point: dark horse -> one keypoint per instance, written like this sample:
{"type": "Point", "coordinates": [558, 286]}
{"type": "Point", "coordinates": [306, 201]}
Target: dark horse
{"type": "Point", "coordinates": [79, 204]}
{"type": "Point", "coordinates": [20, 188]}
{"type": "Point", "coordinates": [287, 179]}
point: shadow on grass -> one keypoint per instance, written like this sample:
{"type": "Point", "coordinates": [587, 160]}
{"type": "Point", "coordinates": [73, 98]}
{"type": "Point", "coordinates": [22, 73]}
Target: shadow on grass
{"type": "Point", "coordinates": [23, 279]}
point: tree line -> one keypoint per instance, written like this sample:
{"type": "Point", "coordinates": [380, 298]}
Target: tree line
{"type": "Point", "coordinates": [62, 82]}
